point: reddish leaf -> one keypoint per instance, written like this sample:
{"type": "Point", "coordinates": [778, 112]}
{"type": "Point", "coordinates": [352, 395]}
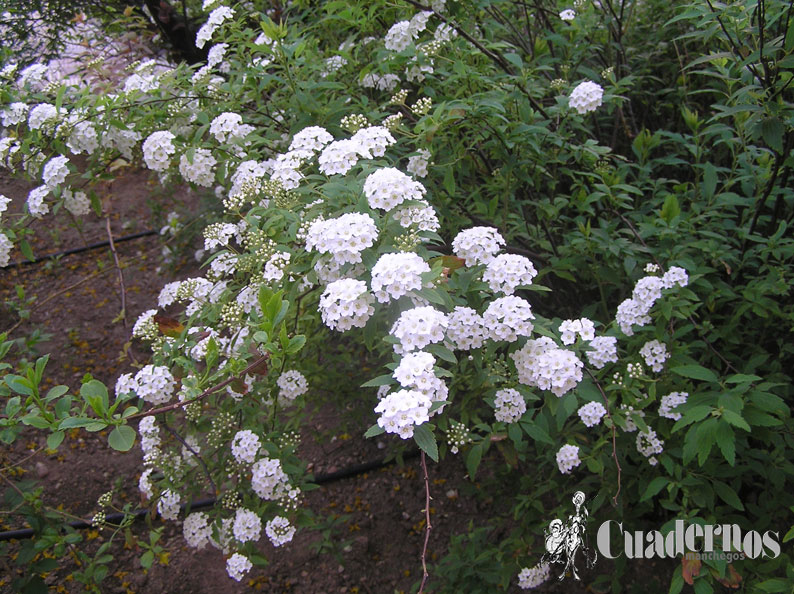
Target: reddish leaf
{"type": "Point", "coordinates": [690, 568]}
{"type": "Point", "coordinates": [732, 579]}
{"type": "Point", "coordinates": [168, 326]}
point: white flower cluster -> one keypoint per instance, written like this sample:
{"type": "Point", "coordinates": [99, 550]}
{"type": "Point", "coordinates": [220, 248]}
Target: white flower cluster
{"type": "Point", "coordinates": [591, 413]}
{"type": "Point", "coordinates": [634, 311]}
{"type": "Point", "coordinates": [402, 410]}
{"type": "Point", "coordinates": [671, 401]}
{"type": "Point", "coordinates": [631, 425]}
{"type": "Point", "coordinates": [44, 117]}
{"type": "Point", "coordinates": [35, 202]}
{"type": "Point", "coordinates": [274, 268]}
{"type": "Point", "coordinates": [55, 172]}
{"type": "Point", "coordinates": [157, 150]}
{"type": "Point", "coordinates": [237, 566]}
{"type": "Point", "coordinates": [533, 577]}
{"type": "Point", "coordinates": [507, 318]}
{"type": "Point", "coordinates": [655, 354]}
{"type": "Point", "coordinates": [268, 479]}
{"type": "Point", "coordinates": [568, 458]}
{"type": "Point", "coordinates": [154, 384]}
{"type": "Point", "coordinates": [477, 245]}
{"type": "Point", "coordinates": [568, 14]}
{"type": "Point", "coordinates": [292, 384]}
{"type": "Point", "coordinates": [5, 250]}
{"type": "Point", "coordinates": [586, 97]}
{"type": "Point", "coordinates": [415, 372]}
{"type": "Point", "coordinates": [150, 434]}
{"type": "Point", "coordinates": [417, 164]}
{"type": "Point", "coordinates": [245, 446]}
{"type": "Point", "coordinates": [388, 187]}
{"type": "Point", "coordinates": [14, 114]}
{"type": "Point", "coordinates": [372, 141]}
{"type": "Point", "coordinates": [465, 329]}
{"type": "Point", "coordinates": [506, 272]}
{"type": "Point", "coordinates": [542, 364]}
{"type": "Point", "coordinates": [310, 140]}
{"type": "Point", "coordinates": [510, 405]}
{"type": "Point", "coordinates": [423, 217]}
{"type": "Point", "coordinates": [605, 350]}
{"type": "Point", "coordinates": [197, 530]}
{"type": "Point", "coordinates": [76, 203]}
{"type": "Point", "coordinates": [168, 505]}
{"type": "Point", "coordinates": [214, 20]}
{"type": "Point", "coordinates": [247, 525]}
{"type": "Point", "coordinates": [649, 444]}
{"type": "Point", "coordinates": [344, 237]}
{"type": "Point", "coordinates": [570, 328]}
{"type": "Point", "coordinates": [395, 275]}
{"type": "Point", "coordinates": [279, 531]}
{"type": "Point", "coordinates": [399, 36]}
{"type": "Point", "coordinates": [346, 303]}
{"type": "Point", "coordinates": [145, 327]}
{"type": "Point", "coordinates": [198, 168]}
{"type": "Point", "coordinates": [385, 82]}
{"type": "Point", "coordinates": [418, 327]}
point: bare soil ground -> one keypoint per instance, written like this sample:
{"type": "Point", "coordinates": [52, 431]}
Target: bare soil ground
{"type": "Point", "coordinates": [380, 528]}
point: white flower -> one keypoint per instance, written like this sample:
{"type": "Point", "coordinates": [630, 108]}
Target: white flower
{"type": "Point", "coordinates": [418, 327]}
{"type": "Point", "coordinates": [279, 531]}
{"type": "Point", "coordinates": [5, 250]}
{"type": "Point", "coordinates": [215, 19]}
{"type": "Point", "coordinates": [157, 150]}
{"type": "Point", "coordinates": [399, 36]}
{"type": "Point", "coordinates": [567, 14]}
{"type": "Point", "coordinates": [586, 97]}
{"type": "Point", "coordinates": [245, 446]}
{"type": "Point", "coordinates": [346, 303]}
{"type": "Point", "coordinates": [35, 203]}
{"type": "Point", "coordinates": [605, 350]}
{"type": "Point", "coordinates": [402, 410]}
{"type": "Point", "coordinates": [570, 328]}
{"type": "Point", "coordinates": [268, 479]}
{"type": "Point", "coordinates": [568, 458]}
{"type": "Point", "coordinates": [466, 329]}
{"type": "Point", "coordinates": [591, 413]}
{"type": "Point", "coordinates": [506, 272]}
{"type": "Point", "coordinates": [395, 275]}
{"type": "Point", "coordinates": [229, 126]}
{"type": "Point", "coordinates": [509, 405]}
{"type": "Point", "coordinates": [417, 164]}
{"type": "Point", "coordinates": [198, 169]}
{"type": "Point", "coordinates": [76, 203]}
{"type": "Point", "coordinates": [197, 530]}
{"type": "Point", "coordinates": [507, 318]}
{"type": "Point", "coordinates": [671, 401]}
{"type": "Point", "coordinates": [477, 245]}
{"type": "Point", "coordinates": [310, 140]}
{"type": "Point", "coordinates": [372, 141]}
{"type": "Point", "coordinates": [292, 384]}
{"type": "Point", "coordinates": [155, 384]}
{"type": "Point", "coordinates": [237, 566]}
{"type": "Point", "coordinates": [675, 276]}
{"type": "Point", "coordinates": [14, 114]}
{"type": "Point", "coordinates": [648, 443]}
{"type": "Point", "coordinates": [344, 237]}
{"type": "Point", "coordinates": [541, 364]}
{"type": "Point", "coordinates": [534, 577]}
{"type": "Point", "coordinates": [655, 354]}
{"type": "Point", "coordinates": [168, 505]}
{"type": "Point", "coordinates": [247, 525]}
{"type": "Point", "coordinates": [338, 157]}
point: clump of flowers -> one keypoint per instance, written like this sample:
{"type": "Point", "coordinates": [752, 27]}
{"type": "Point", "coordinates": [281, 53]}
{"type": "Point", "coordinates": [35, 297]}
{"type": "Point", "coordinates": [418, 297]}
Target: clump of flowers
{"type": "Point", "coordinates": [533, 577]}
{"type": "Point", "coordinates": [292, 384]}
{"type": "Point", "coordinates": [586, 97]}
{"type": "Point", "coordinates": [507, 318]}
{"type": "Point", "coordinates": [506, 272]}
{"type": "Point", "coordinates": [568, 458]}
{"type": "Point", "coordinates": [345, 304]}
{"type": "Point", "coordinates": [591, 413]}
{"type": "Point", "coordinates": [655, 354]}
{"type": "Point", "coordinates": [670, 402]}
{"type": "Point", "coordinates": [402, 410]}
{"type": "Point", "coordinates": [509, 405]}
{"type": "Point", "coordinates": [418, 327]}
{"type": "Point", "coordinates": [540, 363]}
{"type": "Point", "coordinates": [395, 275]}
{"type": "Point", "coordinates": [477, 245]}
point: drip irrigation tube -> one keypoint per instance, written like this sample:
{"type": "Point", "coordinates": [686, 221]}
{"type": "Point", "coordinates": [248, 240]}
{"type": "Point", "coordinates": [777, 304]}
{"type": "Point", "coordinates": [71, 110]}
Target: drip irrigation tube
{"type": "Point", "coordinates": [320, 479]}
{"type": "Point", "coordinates": [86, 248]}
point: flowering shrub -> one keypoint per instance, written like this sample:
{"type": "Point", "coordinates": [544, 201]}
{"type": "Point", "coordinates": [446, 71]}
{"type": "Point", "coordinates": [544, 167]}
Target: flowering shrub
{"type": "Point", "coordinates": [313, 148]}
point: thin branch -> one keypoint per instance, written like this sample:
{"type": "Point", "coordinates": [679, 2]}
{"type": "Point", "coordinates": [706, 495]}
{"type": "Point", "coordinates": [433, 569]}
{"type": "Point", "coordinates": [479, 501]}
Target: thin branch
{"type": "Point", "coordinates": [196, 454]}
{"type": "Point", "coordinates": [428, 527]}
{"type": "Point", "coordinates": [121, 274]}
{"type": "Point", "coordinates": [614, 442]}
{"type": "Point", "coordinates": [205, 393]}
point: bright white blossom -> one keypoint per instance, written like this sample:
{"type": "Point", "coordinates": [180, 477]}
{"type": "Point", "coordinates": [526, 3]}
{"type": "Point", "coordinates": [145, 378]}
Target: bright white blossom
{"type": "Point", "coordinates": [197, 530]}
{"type": "Point", "coordinates": [268, 479]}
{"type": "Point", "coordinates": [402, 410]}
{"type": "Point", "coordinates": [670, 402]}
{"type": "Point", "coordinates": [155, 384]}
{"type": "Point", "coordinates": [477, 245]}
{"type": "Point", "coordinates": [344, 237]}
{"type": "Point", "coordinates": [76, 202]}
{"type": "Point", "coordinates": [168, 505]}
{"type": "Point", "coordinates": [198, 169]}
{"type": "Point", "coordinates": [675, 276]}
{"type": "Point", "coordinates": [399, 36]}
{"type": "Point", "coordinates": [648, 443]}
{"type": "Point", "coordinates": [215, 20]}
{"type": "Point", "coordinates": [418, 327]}
{"type": "Point", "coordinates": [279, 531]}
{"type": "Point", "coordinates": [466, 328]}
{"type": "Point", "coordinates": [291, 384]}
{"type": "Point", "coordinates": [245, 446]}
{"type": "Point", "coordinates": [510, 405]}
{"type": "Point", "coordinates": [533, 577]}
{"type": "Point", "coordinates": [346, 303]}
{"type": "Point", "coordinates": [372, 141]}
{"type": "Point", "coordinates": [655, 354]}
{"type": "Point", "coordinates": [5, 250]}
{"type": "Point", "coordinates": [247, 525]}
{"type": "Point", "coordinates": [567, 14]}
{"type": "Point", "coordinates": [507, 318]}
{"type": "Point", "coordinates": [605, 350]}
{"type": "Point", "coordinates": [570, 328]}
{"type": "Point", "coordinates": [568, 458]}
{"type": "Point", "coordinates": [237, 566]}
{"type": "Point", "coordinates": [540, 363]}
{"type": "Point", "coordinates": [35, 202]}
{"type": "Point", "coordinates": [310, 140]}
{"type": "Point", "coordinates": [157, 150]}
{"type": "Point", "coordinates": [417, 164]}
{"type": "Point", "coordinates": [586, 97]}
{"type": "Point", "coordinates": [395, 275]}
{"type": "Point", "coordinates": [506, 272]}
{"type": "Point", "coordinates": [591, 413]}
{"type": "Point", "coordinates": [389, 187]}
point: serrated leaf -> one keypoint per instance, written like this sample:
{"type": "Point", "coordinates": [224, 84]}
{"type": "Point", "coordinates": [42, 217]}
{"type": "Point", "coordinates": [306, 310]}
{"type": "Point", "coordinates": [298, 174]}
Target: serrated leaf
{"type": "Point", "coordinates": [122, 438]}
{"type": "Point", "coordinates": [726, 441]}
{"type": "Point", "coordinates": [728, 495]}
{"type": "Point", "coordinates": [772, 130]}
{"type": "Point", "coordinates": [473, 459]}
{"type": "Point", "coordinates": [537, 433]}
{"type": "Point", "coordinates": [424, 438]}
{"type": "Point", "coordinates": [735, 419]}
{"type": "Point", "coordinates": [696, 413]}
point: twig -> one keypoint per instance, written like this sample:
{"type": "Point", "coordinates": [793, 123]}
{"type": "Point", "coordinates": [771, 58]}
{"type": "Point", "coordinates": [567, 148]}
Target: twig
{"type": "Point", "coordinates": [207, 392]}
{"type": "Point", "coordinates": [428, 527]}
{"type": "Point", "coordinates": [614, 443]}
{"type": "Point", "coordinates": [121, 274]}
{"type": "Point", "coordinates": [196, 454]}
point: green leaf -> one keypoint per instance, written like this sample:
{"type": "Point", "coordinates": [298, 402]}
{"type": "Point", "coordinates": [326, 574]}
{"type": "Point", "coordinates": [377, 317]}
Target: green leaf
{"type": "Point", "coordinates": [705, 437]}
{"type": "Point", "coordinates": [55, 439]}
{"type": "Point", "coordinates": [95, 394]}
{"type": "Point", "coordinates": [735, 419]}
{"type": "Point", "coordinates": [670, 209]}
{"type": "Point", "coordinates": [696, 372]}
{"type": "Point", "coordinates": [26, 250]}
{"type": "Point", "coordinates": [122, 438]}
{"type": "Point", "coordinates": [709, 181]}
{"type": "Point", "coordinates": [535, 432]}
{"type": "Point", "coordinates": [147, 559]}
{"type": "Point", "coordinates": [374, 430]}
{"type": "Point", "coordinates": [473, 459]}
{"type": "Point", "coordinates": [73, 422]}
{"type": "Point", "coordinates": [295, 344]}
{"type": "Point", "coordinates": [34, 420]}
{"type": "Point", "coordinates": [442, 352]}
{"type": "Point", "coordinates": [654, 487]}
{"type": "Point", "coordinates": [728, 495]}
{"type": "Point", "coordinates": [424, 438]}
{"type": "Point", "coordinates": [726, 441]}
{"type": "Point", "coordinates": [772, 130]}
{"type": "Point", "coordinates": [381, 380]}
{"type": "Point", "coordinates": [696, 413]}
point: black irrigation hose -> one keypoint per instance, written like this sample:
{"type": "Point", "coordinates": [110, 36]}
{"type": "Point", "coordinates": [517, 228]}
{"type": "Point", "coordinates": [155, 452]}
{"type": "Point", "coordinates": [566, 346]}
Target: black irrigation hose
{"type": "Point", "coordinates": [320, 479]}
{"type": "Point", "coordinates": [93, 246]}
